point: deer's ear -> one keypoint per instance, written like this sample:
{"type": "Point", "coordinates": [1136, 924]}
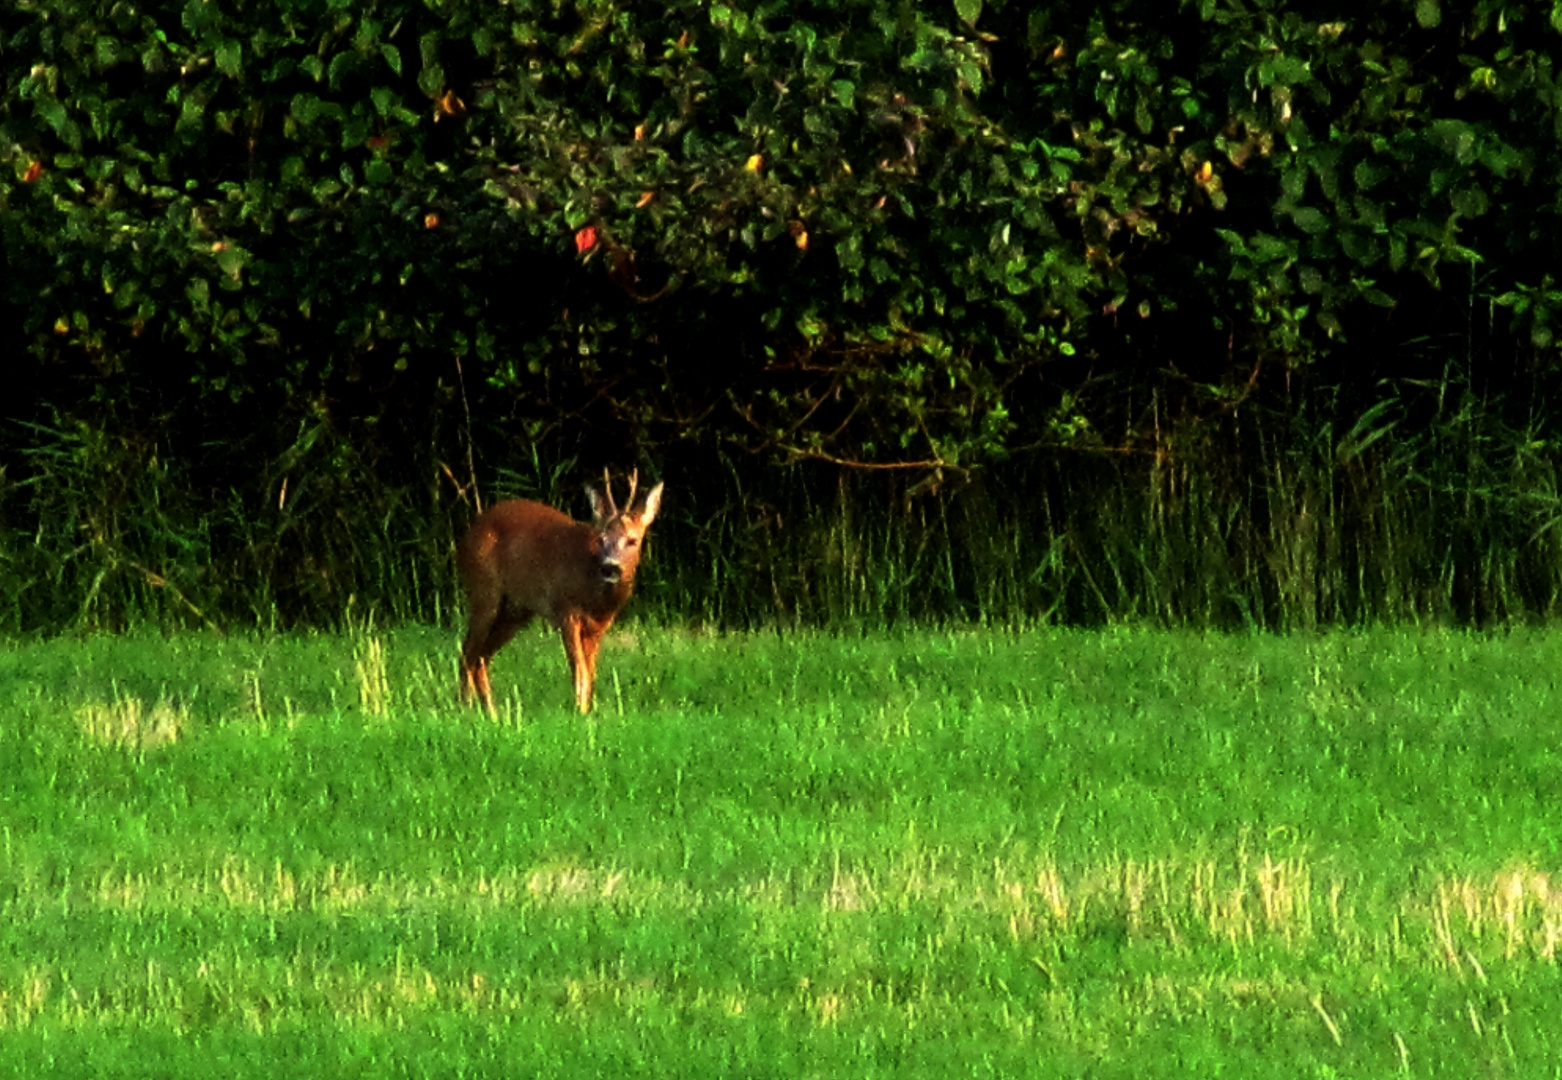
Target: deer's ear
{"type": "Point", "coordinates": [599, 508]}
{"type": "Point", "coordinates": [653, 502]}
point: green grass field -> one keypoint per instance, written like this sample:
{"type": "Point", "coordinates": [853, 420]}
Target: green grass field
{"type": "Point", "coordinates": [983, 853]}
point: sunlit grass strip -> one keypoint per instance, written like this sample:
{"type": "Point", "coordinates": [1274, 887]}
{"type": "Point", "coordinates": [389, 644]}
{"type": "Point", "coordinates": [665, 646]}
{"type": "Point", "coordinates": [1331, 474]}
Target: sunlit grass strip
{"type": "Point", "coordinates": [1255, 933]}
{"type": "Point", "coordinates": [1173, 903]}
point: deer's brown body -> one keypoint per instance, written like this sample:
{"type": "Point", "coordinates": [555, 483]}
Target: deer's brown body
{"type": "Point", "coordinates": [522, 559]}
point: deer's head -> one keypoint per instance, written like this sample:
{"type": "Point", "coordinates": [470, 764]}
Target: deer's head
{"type": "Point", "coordinates": [619, 532]}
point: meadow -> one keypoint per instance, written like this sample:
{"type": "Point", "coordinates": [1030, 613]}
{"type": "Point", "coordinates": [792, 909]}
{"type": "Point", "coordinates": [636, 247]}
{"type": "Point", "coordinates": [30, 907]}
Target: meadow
{"type": "Point", "coordinates": [994, 852]}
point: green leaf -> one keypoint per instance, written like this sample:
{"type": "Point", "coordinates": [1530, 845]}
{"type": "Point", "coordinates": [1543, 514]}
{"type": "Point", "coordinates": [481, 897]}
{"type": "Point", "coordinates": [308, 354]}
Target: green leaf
{"type": "Point", "coordinates": [1361, 247]}
{"type": "Point", "coordinates": [392, 57]}
{"type": "Point", "coordinates": [971, 74]}
{"type": "Point", "coordinates": [1429, 14]}
{"type": "Point", "coordinates": [1270, 248]}
{"type": "Point", "coordinates": [53, 112]}
{"type": "Point", "coordinates": [199, 16]}
{"type": "Point", "coordinates": [355, 132]}
{"type": "Point", "coordinates": [1368, 174]}
{"type": "Point", "coordinates": [230, 260]}
{"type": "Point", "coordinates": [306, 107]}
{"type": "Point", "coordinates": [341, 66]}
{"type": "Point", "coordinates": [229, 58]}
{"type": "Point", "coordinates": [1455, 137]}
{"type": "Point", "coordinates": [1469, 202]}
{"type": "Point", "coordinates": [1310, 220]}
{"type": "Point", "coordinates": [428, 48]}
{"type": "Point", "coordinates": [849, 252]}
{"type": "Point", "coordinates": [969, 11]}
{"type": "Point", "coordinates": [191, 112]}
{"type": "Point", "coordinates": [845, 92]}
{"type": "Point", "coordinates": [431, 80]}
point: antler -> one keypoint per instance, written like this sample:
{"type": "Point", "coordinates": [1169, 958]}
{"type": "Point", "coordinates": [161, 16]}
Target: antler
{"type": "Point", "coordinates": [607, 493]}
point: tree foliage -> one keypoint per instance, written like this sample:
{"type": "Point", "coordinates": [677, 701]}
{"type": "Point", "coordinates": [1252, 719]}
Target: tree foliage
{"type": "Point", "coordinates": [871, 234]}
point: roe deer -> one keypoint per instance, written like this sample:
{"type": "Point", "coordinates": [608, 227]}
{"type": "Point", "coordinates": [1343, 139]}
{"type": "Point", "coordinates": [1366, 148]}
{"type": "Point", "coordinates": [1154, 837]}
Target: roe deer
{"type": "Point", "coordinates": [521, 558]}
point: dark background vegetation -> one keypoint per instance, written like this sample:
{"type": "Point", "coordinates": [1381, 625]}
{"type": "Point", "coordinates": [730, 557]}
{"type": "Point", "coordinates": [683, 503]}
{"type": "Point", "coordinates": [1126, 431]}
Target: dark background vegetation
{"type": "Point", "coordinates": [1215, 312]}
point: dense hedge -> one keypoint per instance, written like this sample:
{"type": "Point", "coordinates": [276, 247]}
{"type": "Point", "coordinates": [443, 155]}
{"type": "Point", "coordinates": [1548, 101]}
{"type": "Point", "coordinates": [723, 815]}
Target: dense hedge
{"type": "Point", "coordinates": [291, 275]}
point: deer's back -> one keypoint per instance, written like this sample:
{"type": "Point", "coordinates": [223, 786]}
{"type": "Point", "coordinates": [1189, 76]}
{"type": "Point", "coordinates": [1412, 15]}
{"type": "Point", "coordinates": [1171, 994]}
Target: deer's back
{"type": "Point", "coordinates": [536, 558]}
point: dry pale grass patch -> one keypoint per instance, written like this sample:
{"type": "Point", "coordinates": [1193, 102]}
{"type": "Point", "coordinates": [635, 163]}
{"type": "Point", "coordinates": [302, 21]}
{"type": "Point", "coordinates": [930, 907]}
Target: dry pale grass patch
{"type": "Point", "coordinates": [1520, 905]}
{"type": "Point", "coordinates": [21, 1003]}
{"type": "Point", "coordinates": [373, 683]}
{"type": "Point", "coordinates": [129, 723]}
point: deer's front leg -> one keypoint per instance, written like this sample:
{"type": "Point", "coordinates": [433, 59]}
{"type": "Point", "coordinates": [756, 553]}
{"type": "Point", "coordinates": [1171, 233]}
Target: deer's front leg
{"type": "Point", "coordinates": [581, 665]}
{"type": "Point", "coordinates": [590, 639]}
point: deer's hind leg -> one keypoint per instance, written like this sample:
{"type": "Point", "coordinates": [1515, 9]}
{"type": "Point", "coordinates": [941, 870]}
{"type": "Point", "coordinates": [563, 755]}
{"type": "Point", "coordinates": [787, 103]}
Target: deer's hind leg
{"type": "Point", "coordinates": [488, 630]}
{"type": "Point", "coordinates": [474, 661]}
